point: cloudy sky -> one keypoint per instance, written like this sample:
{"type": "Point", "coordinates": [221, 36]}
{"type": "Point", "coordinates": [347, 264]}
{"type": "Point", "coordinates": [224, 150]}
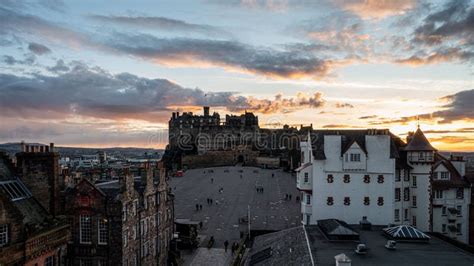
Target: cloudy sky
{"type": "Point", "coordinates": [109, 73]}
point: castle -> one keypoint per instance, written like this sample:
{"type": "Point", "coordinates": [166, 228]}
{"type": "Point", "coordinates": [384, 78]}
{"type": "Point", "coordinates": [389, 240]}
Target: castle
{"type": "Point", "coordinates": [204, 140]}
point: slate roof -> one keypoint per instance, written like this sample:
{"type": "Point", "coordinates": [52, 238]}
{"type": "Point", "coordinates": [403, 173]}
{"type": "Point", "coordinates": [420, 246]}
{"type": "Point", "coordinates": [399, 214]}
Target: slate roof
{"type": "Point", "coordinates": [286, 247]}
{"type": "Point", "coordinates": [419, 142]}
{"type": "Point", "coordinates": [455, 178]}
{"type": "Point", "coordinates": [349, 136]}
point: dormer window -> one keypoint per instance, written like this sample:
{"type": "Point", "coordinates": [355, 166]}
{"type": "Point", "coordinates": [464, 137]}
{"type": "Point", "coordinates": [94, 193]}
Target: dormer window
{"type": "Point", "coordinates": [444, 175]}
{"type": "Point", "coordinates": [355, 157]}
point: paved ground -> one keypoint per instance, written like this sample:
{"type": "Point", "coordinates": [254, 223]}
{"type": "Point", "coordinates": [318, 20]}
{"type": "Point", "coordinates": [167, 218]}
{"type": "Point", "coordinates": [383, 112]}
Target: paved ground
{"type": "Point", "coordinates": [213, 256]}
{"type": "Point", "coordinates": [269, 210]}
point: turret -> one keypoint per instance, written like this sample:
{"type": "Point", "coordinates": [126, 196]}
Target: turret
{"type": "Point", "coordinates": [419, 149]}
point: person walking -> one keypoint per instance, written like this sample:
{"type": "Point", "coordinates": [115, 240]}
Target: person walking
{"type": "Point", "coordinates": [290, 196]}
{"type": "Point", "coordinates": [226, 244]}
{"type": "Point", "coordinates": [200, 207]}
{"type": "Point", "coordinates": [197, 207]}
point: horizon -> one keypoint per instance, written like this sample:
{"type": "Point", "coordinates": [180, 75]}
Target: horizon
{"type": "Point", "coordinates": [96, 75]}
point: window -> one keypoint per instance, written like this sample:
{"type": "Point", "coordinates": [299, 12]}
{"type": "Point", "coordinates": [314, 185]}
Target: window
{"type": "Point", "coordinates": [366, 201]}
{"type": "Point", "coordinates": [308, 199]}
{"type": "Point", "coordinates": [444, 175]}
{"type": "Point", "coordinates": [85, 229]}
{"type": "Point", "coordinates": [347, 178]}
{"type": "Point", "coordinates": [380, 179]}
{"type": "Point", "coordinates": [330, 179]}
{"type": "Point", "coordinates": [85, 262]}
{"type": "Point", "coordinates": [406, 176]}
{"type": "Point", "coordinates": [443, 228]}
{"type": "Point", "coordinates": [355, 157]}
{"type": "Point", "coordinates": [421, 156]}
{"type": "Point", "coordinates": [413, 222]}
{"type": "Point", "coordinates": [124, 213]}
{"type": "Point", "coordinates": [49, 261]}
{"type": "Point", "coordinates": [413, 204]}
{"type": "Point", "coordinates": [458, 228]}
{"type": "Point", "coordinates": [443, 210]}
{"type": "Point", "coordinates": [306, 177]}
{"type": "Point", "coordinates": [367, 179]}
{"type": "Point", "coordinates": [438, 194]}
{"type": "Point", "coordinates": [413, 181]}
{"type": "Point", "coordinates": [435, 175]}
{"type": "Point", "coordinates": [3, 235]}
{"type": "Point", "coordinates": [347, 201]}
{"type": "Point", "coordinates": [15, 189]}
{"type": "Point", "coordinates": [406, 194]}
{"type": "Point", "coordinates": [125, 238]}
{"type": "Point", "coordinates": [103, 231]}
{"type": "Point", "coordinates": [460, 193]}
{"type": "Point", "coordinates": [302, 156]}
{"type": "Point", "coordinates": [397, 194]}
{"type": "Point", "coordinates": [330, 201]}
{"type": "Point", "coordinates": [380, 201]}
{"type": "Point", "coordinates": [398, 175]}
{"type": "Point", "coordinates": [397, 215]}
{"type": "Point", "coordinates": [406, 214]}
{"type": "Point", "coordinates": [459, 210]}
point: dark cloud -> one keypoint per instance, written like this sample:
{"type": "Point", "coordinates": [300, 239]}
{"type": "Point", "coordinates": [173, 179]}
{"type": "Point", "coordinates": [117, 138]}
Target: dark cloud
{"type": "Point", "coordinates": [456, 18]}
{"type": "Point", "coordinates": [10, 60]}
{"type": "Point", "coordinates": [59, 67]}
{"type": "Point", "coordinates": [93, 92]}
{"type": "Point", "coordinates": [344, 105]}
{"type": "Point", "coordinates": [232, 55]}
{"type": "Point", "coordinates": [38, 49]}
{"type": "Point", "coordinates": [444, 35]}
{"type": "Point", "coordinates": [459, 107]}
{"type": "Point", "coordinates": [368, 117]}
{"type": "Point", "coordinates": [161, 23]}
{"type": "Point", "coordinates": [228, 54]}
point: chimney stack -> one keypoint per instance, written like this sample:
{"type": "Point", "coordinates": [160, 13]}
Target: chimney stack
{"type": "Point", "coordinates": [23, 146]}
{"type": "Point", "coordinates": [51, 147]}
{"type": "Point", "coordinates": [206, 110]}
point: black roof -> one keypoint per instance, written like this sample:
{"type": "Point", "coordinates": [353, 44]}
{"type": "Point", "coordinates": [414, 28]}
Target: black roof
{"type": "Point", "coordinates": [348, 137]}
{"type": "Point", "coordinates": [419, 142]}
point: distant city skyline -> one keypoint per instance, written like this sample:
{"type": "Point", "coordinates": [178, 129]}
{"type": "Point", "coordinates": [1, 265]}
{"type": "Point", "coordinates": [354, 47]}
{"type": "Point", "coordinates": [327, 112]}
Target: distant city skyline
{"type": "Point", "coordinates": [103, 74]}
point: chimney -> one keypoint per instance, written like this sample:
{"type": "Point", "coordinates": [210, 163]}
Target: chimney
{"type": "Point", "coordinates": [206, 110]}
{"type": "Point", "coordinates": [41, 148]}
{"type": "Point", "coordinates": [174, 115]}
{"type": "Point", "coordinates": [51, 147]}
{"type": "Point", "coordinates": [23, 146]}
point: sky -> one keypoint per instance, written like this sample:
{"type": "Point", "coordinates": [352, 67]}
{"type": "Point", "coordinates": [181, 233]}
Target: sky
{"type": "Point", "coordinates": [109, 73]}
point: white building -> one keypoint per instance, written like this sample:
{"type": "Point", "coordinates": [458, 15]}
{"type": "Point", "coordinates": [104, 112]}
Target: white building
{"type": "Point", "coordinates": [348, 174]}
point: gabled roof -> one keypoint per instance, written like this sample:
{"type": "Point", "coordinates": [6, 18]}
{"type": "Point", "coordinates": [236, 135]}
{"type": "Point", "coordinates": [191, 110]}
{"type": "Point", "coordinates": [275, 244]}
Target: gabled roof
{"type": "Point", "coordinates": [419, 142]}
{"type": "Point", "coordinates": [455, 180]}
{"type": "Point", "coordinates": [348, 137]}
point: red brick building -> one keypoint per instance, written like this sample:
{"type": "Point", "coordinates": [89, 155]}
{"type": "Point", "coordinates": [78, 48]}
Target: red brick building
{"type": "Point", "coordinates": [121, 222]}
{"type": "Point", "coordinates": [29, 233]}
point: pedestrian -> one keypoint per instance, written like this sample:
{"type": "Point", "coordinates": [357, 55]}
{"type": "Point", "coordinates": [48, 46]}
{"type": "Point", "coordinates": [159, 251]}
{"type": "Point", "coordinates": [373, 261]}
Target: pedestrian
{"type": "Point", "coordinates": [200, 224]}
{"type": "Point", "coordinates": [290, 196]}
{"type": "Point", "coordinates": [200, 207]}
{"type": "Point", "coordinates": [297, 198]}
{"type": "Point", "coordinates": [207, 201]}
{"type": "Point", "coordinates": [212, 180]}
{"type": "Point", "coordinates": [286, 196]}
{"type": "Point", "coordinates": [226, 244]}
{"type": "Point", "coordinates": [273, 174]}
{"type": "Point", "coordinates": [197, 207]}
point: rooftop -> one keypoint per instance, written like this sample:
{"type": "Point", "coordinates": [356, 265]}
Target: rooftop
{"type": "Point", "coordinates": [434, 252]}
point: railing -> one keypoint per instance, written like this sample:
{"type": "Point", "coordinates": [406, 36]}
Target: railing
{"type": "Point", "coordinates": [49, 239]}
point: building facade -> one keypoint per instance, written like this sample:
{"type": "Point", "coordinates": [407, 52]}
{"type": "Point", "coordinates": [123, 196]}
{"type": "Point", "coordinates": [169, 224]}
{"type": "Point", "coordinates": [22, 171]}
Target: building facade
{"type": "Point", "coordinates": [121, 222]}
{"type": "Point", "coordinates": [351, 174]}
{"type": "Point", "coordinates": [29, 233]}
